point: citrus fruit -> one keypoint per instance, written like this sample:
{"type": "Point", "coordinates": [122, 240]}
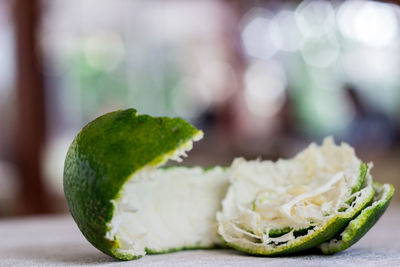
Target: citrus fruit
{"type": "Point", "coordinates": [126, 206]}
{"type": "Point", "coordinates": [123, 204]}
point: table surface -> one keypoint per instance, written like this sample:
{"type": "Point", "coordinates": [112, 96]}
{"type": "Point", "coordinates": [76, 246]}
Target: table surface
{"type": "Point", "coordinates": [56, 241]}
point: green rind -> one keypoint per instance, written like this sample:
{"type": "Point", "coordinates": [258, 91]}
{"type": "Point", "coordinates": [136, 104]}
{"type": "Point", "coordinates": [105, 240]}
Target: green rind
{"type": "Point", "coordinates": [319, 235]}
{"type": "Point", "coordinates": [361, 177]}
{"type": "Point", "coordinates": [104, 155]}
{"type": "Point", "coordinates": [279, 232]}
{"type": "Point", "coordinates": [150, 251]}
{"type": "Point", "coordinates": [359, 226]}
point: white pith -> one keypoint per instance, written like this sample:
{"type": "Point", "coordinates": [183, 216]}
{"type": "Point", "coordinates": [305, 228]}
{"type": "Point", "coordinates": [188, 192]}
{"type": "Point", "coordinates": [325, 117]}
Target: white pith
{"type": "Point", "coordinates": [164, 209]}
{"type": "Point", "coordinates": [308, 190]}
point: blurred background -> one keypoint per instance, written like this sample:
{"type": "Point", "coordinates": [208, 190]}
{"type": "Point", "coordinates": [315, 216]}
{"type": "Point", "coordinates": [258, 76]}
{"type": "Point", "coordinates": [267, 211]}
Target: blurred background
{"type": "Point", "coordinates": [260, 78]}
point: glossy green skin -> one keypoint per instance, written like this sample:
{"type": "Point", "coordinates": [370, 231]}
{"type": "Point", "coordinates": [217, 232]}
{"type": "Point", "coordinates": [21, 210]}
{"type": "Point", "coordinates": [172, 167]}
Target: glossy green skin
{"type": "Point", "coordinates": [359, 226]}
{"type": "Point", "coordinates": [361, 177]}
{"type": "Point", "coordinates": [102, 157]}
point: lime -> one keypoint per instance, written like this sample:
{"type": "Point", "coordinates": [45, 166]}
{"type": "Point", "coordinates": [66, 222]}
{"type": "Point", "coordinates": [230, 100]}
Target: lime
{"type": "Point", "coordinates": [128, 207]}
{"type": "Point", "coordinates": [123, 204]}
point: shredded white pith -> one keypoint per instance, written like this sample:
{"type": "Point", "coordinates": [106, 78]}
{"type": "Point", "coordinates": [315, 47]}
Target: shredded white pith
{"type": "Point", "coordinates": [297, 194]}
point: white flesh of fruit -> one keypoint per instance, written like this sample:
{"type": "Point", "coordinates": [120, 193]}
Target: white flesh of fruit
{"type": "Point", "coordinates": [296, 193]}
{"type": "Point", "coordinates": [167, 209]}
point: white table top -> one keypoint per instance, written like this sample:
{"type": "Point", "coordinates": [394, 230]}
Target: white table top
{"type": "Point", "coordinates": [56, 241]}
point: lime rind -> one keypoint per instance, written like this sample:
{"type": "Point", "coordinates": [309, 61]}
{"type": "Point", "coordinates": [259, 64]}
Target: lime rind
{"type": "Point", "coordinates": [360, 225]}
{"type": "Point", "coordinates": [303, 201]}
{"type": "Point", "coordinates": [279, 232]}
{"type": "Point", "coordinates": [104, 155]}
{"type": "Point", "coordinates": [361, 178]}
{"type": "Point", "coordinates": [313, 238]}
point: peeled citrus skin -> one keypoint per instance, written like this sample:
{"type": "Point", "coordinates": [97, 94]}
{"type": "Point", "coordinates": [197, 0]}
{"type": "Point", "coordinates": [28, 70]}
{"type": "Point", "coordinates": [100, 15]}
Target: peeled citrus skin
{"type": "Point", "coordinates": [320, 235]}
{"type": "Point", "coordinates": [323, 198]}
{"type": "Point", "coordinates": [360, 225]}
{"type": "Point", "coordinates": [104, 155]}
